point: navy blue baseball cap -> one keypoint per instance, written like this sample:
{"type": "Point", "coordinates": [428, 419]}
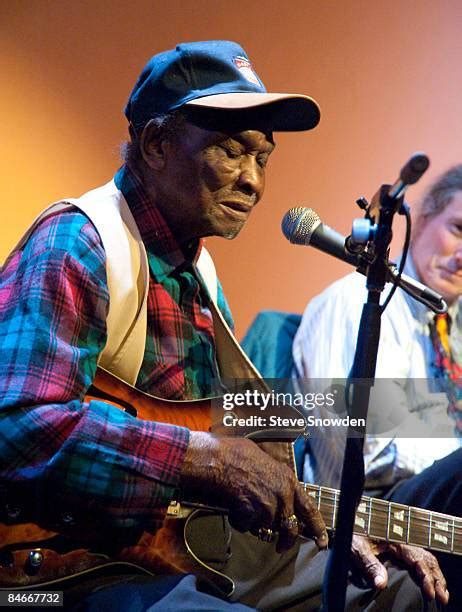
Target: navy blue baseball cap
{"type": "Point", "coordinates": [214, 76]}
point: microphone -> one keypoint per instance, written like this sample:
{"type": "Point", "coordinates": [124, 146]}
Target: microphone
{"type": "Point", "coordinates": [303, 226]}
{"type": "Point", "coordinates": [410, 174]}
{"type": "Point", "coordinates": [419, 291]}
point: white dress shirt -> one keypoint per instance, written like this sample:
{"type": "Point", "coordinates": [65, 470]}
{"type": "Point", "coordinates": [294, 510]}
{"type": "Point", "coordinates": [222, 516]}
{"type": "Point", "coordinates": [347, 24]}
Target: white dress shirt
{"type": "Point", "coordinates": [413, 404]}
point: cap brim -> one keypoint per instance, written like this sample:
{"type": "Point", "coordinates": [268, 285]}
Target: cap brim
{"type": "Point", "coordinates": [284, 112]}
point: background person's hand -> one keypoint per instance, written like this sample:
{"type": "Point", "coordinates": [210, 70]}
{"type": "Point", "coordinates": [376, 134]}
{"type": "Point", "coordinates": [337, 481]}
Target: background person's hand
{"type": "Point", "coordinates": [420, 563]}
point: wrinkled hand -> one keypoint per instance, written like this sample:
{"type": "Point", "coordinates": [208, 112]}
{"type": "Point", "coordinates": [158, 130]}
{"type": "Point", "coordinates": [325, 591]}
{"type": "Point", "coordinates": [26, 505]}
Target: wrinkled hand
{"type": "Point", "coordinates": [420, 563]}
{"type": "Point", "coordinates": [257, 490]}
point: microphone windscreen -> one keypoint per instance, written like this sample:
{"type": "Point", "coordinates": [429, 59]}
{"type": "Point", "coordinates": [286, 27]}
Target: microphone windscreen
{"type": "Point", "coordinates": [414, 168]}
{"type": "Point", "coordinates": [299, 223]}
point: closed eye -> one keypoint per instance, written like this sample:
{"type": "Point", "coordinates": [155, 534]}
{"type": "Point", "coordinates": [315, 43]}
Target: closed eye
{"type": "Point", "coordinates": [231, 153]}
{"type": "Point", "coordinates": [263, 160]}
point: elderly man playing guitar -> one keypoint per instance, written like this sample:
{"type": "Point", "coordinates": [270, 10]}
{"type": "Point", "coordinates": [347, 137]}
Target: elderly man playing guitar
{"type": "Point", "coordinates": [119, 281]}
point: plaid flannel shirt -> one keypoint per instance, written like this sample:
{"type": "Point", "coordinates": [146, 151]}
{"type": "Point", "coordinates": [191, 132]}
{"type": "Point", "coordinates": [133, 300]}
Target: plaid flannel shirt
{"type": "Point", "coordinates": [63, 460]}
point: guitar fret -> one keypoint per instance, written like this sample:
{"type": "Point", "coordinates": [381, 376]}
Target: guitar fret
{"type": "Point", "coordinates": [399, 523]}
{"type": "Point", "coordinates": [369, 518]}
{"type": "Point", "coordinates": [378, 522]}
{"type": "Point", "coordinates": [408, 524]}
{"type": "Point", "coordinates": [322, 496]}
{"type": "Point", "coordinates": [418, 527]}
{"type": "Point", "coordinates": [334, 514]}
{"type": "Point", "coordinates": [430, 531]}
{"type": "Point", "coordinates": [441, 532]}
{"type": "Point", "coordinates": [361, 517]}
{"type": "Point", "coordinates": [388, 521]}
{"type": "Point", "coordinates": [452, 534]}
{"type": "Point", "coordinates": [457, 536]}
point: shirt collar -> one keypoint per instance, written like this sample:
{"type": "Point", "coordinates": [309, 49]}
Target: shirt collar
{"type": "Point", "coordinates": [165, 254]}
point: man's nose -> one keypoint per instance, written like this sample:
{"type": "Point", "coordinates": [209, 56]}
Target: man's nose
{"type": "Point", "coordinates": [252, 176]}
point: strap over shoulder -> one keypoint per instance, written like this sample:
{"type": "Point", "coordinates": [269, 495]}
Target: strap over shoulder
{"type": "Point", "coordinates": [126, 270]}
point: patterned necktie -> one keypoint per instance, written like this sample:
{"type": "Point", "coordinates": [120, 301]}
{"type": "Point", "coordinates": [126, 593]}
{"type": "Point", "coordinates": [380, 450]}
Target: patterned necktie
{"type": "Point", "coordinates": [447, 368]}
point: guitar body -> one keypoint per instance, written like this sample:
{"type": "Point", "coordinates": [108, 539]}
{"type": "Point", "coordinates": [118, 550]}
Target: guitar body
{"type": "Point", "coordinates": [163, 552]}
{"type": "Point", "coordinates": [193, 414]}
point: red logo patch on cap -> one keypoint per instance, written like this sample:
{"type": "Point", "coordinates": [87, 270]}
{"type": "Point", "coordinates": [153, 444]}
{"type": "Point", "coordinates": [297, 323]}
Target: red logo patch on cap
{"type": "Point", "coordinates": [245, 67]}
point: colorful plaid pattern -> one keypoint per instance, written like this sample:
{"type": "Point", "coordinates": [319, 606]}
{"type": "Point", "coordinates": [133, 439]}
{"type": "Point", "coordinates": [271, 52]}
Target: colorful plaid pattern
{"type": "Point", "coordinates": [60, 453]}
{"type": "Point", "coordinates": [446, 367]}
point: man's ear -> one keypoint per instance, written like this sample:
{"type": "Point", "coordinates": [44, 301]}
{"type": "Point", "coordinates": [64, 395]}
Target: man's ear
{"type": "Point", "coordinates": [152, 145]}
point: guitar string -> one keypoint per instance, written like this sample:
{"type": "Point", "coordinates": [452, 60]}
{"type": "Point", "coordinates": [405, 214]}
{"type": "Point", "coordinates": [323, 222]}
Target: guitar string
{"type": "Point", "coordinates": [331, 495]}
{"type": "Point", "coordinates": [382, 504]}
{"type": "Point", "coordinates": [418, 535]}
{"type": "Point", "coordinates": [415, 517]}
{"type": "Point", "coordinates": [424, 524]}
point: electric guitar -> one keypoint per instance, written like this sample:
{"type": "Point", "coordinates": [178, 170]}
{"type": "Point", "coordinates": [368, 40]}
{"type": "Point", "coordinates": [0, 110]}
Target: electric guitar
{"type": "Point", "coordinates": [28, 558]}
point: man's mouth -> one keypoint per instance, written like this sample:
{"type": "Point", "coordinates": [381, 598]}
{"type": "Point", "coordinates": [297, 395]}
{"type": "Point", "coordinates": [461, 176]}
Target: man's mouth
{"type": "Point", "coordinates": [449, 272]}
{"type": "Point", "coordinates": [241, 209]}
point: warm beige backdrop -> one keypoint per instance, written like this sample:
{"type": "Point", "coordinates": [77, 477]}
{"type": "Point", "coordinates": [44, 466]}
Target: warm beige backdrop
{"type": "Point", "coordinates": [387, 74]}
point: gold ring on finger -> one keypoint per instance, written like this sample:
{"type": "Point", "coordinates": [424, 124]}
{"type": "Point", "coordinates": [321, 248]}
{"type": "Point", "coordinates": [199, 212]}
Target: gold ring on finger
{"type": "Point", "coordinates": [289, 523]}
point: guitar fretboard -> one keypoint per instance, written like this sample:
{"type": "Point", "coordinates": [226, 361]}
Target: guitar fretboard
{"type": "Point", "coordinates": [394, 522]}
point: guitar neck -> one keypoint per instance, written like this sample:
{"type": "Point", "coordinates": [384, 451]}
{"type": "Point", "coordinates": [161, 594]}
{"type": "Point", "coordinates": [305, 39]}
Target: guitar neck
{"type": "Point", "coordinates": [383, 520]}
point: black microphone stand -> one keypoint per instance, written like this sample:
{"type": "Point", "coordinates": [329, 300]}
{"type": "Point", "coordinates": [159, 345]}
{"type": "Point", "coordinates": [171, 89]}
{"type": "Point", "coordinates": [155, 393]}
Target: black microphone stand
{"type": "Point", "coordinates": [384, 205]}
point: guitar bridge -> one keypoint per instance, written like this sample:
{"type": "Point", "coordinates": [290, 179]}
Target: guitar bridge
{"type": "Point", "coordinates": [176, 510]}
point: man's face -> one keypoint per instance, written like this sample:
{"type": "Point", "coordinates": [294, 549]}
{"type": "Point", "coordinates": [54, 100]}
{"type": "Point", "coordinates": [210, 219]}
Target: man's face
{"type": "Point", "coordinates": [211, 181]}
{"type": "Point", "coordinates": [437, 251]}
